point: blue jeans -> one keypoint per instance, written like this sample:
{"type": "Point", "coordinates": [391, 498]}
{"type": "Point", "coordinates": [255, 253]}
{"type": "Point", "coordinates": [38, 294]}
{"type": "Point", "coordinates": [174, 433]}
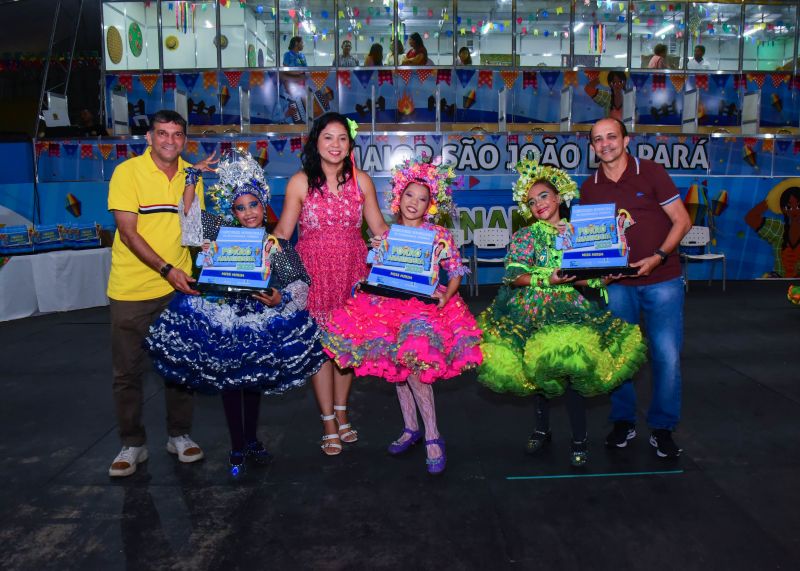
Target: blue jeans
{"type": "Point", "coordinates": [662, 306]}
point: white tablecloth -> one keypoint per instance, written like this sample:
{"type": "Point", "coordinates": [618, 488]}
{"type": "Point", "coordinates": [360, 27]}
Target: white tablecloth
{"type": "Point", "coordinates": [54, 281]}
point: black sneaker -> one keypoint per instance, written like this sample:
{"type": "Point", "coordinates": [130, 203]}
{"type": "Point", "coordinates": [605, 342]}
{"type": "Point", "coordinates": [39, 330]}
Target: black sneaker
{"type": "Point", "coordinates": [623, 431]}
{"type": "Point", "coordinates": [580, 453]}
{"type": "Point", "coordinates": [661, 440]}
{"type": "Point", "coordinates": [256, 453]}
{"type": "Point", "coordinates": [537, 441]}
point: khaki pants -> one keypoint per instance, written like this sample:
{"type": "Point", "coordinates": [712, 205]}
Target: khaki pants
{"type": "Point", "coordinates": [130, 322]}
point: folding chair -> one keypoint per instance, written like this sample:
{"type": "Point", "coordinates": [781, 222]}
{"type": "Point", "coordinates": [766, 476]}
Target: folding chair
{"type": "Point", "coordinates": [459, 238]}
{"type": "Point", "coordinates": [700, 237]}
{"type": "Point", "coordinates": [488, 239]}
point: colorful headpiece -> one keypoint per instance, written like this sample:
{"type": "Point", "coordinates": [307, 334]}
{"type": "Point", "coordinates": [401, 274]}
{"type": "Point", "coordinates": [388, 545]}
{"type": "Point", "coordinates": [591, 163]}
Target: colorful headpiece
{"type": "Point", "coordinates": [439, 178]}
{"type": "Point", "coordinates": [531, 172]}
{"type": "Point", "coordinates": [239, 174]}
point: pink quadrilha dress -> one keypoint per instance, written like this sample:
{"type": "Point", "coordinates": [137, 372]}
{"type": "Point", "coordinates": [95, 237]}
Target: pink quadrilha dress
{"type": "Point", "coordinates": [332, 247]}
{"type": "Point", "coordinates": [395, 338]}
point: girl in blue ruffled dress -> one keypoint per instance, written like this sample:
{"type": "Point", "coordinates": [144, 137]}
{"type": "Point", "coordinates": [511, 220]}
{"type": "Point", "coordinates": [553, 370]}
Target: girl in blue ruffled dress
{"type": "Point", "coordinates": [238, 346]}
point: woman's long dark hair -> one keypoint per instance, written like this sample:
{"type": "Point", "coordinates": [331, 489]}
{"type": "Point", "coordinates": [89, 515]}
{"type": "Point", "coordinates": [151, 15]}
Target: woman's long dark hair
{"type": "Point", "coordinates": [312, 163]}
{"type": "Point", "coordinates": [784, 202]}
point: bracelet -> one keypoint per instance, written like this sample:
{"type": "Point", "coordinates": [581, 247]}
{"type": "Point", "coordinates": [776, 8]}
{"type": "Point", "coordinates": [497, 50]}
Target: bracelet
{"type": "Point", "coordinates": [192, 175]}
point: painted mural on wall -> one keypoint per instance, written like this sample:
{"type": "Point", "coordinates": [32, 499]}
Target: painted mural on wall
{"type": "Point", "coordinates": [458, 95]}
{"type": "Point", "coordinates": [728, 183]}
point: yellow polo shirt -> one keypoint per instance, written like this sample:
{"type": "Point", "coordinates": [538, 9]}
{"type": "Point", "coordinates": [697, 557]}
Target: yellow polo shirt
{"type": "Point", "coordinates": [139, 186]}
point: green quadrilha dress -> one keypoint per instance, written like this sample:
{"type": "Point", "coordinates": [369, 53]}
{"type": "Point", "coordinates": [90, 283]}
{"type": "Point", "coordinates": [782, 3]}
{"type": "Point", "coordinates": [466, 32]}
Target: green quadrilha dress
{"type": "Point", "coordinates": [543, 339]}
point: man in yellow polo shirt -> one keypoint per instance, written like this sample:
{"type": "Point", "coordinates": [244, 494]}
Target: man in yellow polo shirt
{"type": "Point", "coordinates": [148, 264]}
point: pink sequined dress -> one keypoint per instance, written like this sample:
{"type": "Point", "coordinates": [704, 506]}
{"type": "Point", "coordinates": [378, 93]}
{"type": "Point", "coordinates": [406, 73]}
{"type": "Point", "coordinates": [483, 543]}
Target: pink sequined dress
{"type": "Point", "coordinates": [332, 247]}
{"type": "Point", "coordinates": [395, 338]}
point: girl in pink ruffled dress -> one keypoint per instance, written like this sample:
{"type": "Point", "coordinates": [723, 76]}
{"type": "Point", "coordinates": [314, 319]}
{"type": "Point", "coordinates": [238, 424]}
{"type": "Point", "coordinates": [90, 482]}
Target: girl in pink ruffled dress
{"type": "Point", "coordinates": [409, 342]}
{"type": "Point", "coordinates": [328, 198]}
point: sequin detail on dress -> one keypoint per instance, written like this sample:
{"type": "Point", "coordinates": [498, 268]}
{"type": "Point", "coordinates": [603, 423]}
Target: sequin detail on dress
{"type": "Point", "coordinates": [332, 247]}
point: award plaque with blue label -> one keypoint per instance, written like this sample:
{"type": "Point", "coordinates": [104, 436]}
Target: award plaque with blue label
{"type": "Point", "coordinates": [237, 263]}
{"type": "Point", "coordinates": [594, 244]}
{"type": "Point", "coordinates": [406, 264]}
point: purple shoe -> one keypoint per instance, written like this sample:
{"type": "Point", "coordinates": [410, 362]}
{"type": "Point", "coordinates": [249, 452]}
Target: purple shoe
{"type": "Point", "coordinates": [395, 449]}
{"type": "Point", "coordinates": [436, 465]}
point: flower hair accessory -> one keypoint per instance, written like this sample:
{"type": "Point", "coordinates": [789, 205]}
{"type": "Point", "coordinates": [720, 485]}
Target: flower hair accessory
{"type": "Point", "coordinates": [239, 174]}
{"type": "Point", "coordinates": [352, 126]}
{"type": "Point", "coordinates": [531, 172]}
{"type": "Point", "coordinates": [439, 178]}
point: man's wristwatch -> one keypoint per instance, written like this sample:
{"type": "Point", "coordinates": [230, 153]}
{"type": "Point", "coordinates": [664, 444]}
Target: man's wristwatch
{"type": "Point", "coordinates": [663, 255]}
{"type": "Point", "coordinates": [165, 269]}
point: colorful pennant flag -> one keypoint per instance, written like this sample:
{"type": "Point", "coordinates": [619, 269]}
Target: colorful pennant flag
{"type": "Point", "coordinates": [571, 78]}
{"type": "Point", "coordinates": [757, 78]}
{"type": "Point", "coordinates": [344, 78]}
{"type": "Point", "coordinates": [405, 75]}
{"type": "Point", "coordinates": [529, 79]}
{"type": "Point", "coordinates": [778, 78]}
{"type": "Point", "coordinates": [105, 150]}
{"type": "Point", "coordinates": [279, 143]}
{"type": "Point", "coordinates": [189, 80]}
{"type": "Point", "coordinates": [465, 76]}
{"type": "Point", "coordinates": [509, 78]}
{"type": "Point", "coordinates": [210, 79]}
{"type": "Point", "coordinates": [485, 78]}
{"type": "Point", "coordinates": [168, 82]}
{"type": "Point", "coordinates": [364, 76]}
{"type": "Point", "coordinates": [126, 81]}
{"type": "Point", "coordinates": [122, 151]}
{"type": "Point", "coordinates": [233, 78]}
{"type": "Point", "coordinates": [424, 74]}
{"type": "Point", "coordinates": [385, 76]}
{"type": "Point", "coordinates": [256, 78]}
{"type": "Point", "coordinates": [149, 81]}
{"type": "Point", "coordinates": [87, 151]}
{"type": "Point", "coordinates": [444, 76]}
{"type": "Point", "coordinates": [318, 78]}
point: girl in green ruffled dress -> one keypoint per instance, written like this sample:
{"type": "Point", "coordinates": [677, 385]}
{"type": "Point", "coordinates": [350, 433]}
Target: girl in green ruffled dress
{"type": "Point", "coordinates": [540, 336]}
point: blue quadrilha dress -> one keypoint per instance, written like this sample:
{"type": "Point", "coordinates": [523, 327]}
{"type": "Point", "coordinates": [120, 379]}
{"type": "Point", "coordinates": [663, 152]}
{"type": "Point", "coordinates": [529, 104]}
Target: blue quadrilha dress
{"type": "Point", "coordinates": [213, 344]}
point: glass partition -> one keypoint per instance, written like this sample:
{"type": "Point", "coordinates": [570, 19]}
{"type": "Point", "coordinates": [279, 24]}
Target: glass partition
{"type": "Point", "coordinates": [307, 33]}
{"type": "Point", "coordinates": [601, 34]}
{"type": "Point", "coordinates": [769, 37]}
{"type": "Point", "coordinates": [716, 27]}
{"type": "Point", "coordinates": [130, 35]}
{"type": "Point", "coordinates": [543, 34]}
{"type": "Point", "coordinates": [426, 27]}
{"type": "Point", "coordinates": [249, 35]}
{"type": "Point", "coordinates": [189, 35]}
{"type": "Point", "coordinates": [364, 34]}
{"type": "Point", "coordinates": [657, 36]}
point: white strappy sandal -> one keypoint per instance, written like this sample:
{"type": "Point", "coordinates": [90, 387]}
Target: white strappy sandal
{"type": "Point", "coordinates": [330, 448]}
{"type": "Point", "coordinates": [349, 435]}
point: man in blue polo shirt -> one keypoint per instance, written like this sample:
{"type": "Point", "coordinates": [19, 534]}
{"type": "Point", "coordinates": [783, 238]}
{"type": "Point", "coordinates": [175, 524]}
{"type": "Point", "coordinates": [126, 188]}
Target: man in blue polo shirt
{"type": "Point", "coordinates": [660, 221]}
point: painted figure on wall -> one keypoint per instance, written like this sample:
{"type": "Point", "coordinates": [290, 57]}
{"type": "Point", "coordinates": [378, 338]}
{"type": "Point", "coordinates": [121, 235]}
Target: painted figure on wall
{"type": "Point", "coordinates": [783, 235]}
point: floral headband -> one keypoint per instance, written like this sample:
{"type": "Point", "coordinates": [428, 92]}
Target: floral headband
{"type": "Point", "coordinates": [437, 177]}
{"type": "Point", "coordinates": [239, 174]}
{"type": "Point", "coordinates": [531, 172]}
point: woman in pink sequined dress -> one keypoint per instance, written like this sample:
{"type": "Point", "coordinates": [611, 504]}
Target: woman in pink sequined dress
{"type": "Point", "coordinates": [329, 204]}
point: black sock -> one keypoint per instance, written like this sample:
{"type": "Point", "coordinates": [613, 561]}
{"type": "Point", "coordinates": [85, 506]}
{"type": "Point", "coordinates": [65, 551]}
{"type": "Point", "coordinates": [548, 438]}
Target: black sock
{"type": "Point", "coordinates": [232, 403]}
{"type": "Point", "coordinates": [576, 408]}
{"type": "Point", "coordinates": [252, 405]}
{"type": "Point", "coordinates": [542, 414]}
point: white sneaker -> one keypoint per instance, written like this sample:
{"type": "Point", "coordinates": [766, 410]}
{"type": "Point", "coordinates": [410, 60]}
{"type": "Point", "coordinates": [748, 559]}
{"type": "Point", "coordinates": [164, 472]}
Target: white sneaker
{"type": "Point", "coordinates": [187, 449]}
{"type": "Point", "coordinates": [127, 459]}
